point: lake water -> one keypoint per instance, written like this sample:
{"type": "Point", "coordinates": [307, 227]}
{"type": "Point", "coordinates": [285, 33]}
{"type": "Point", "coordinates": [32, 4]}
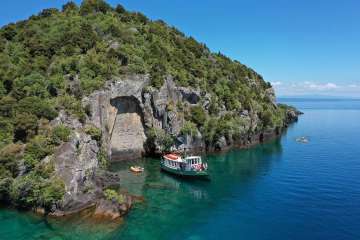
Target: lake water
{"type": "Point", "coordinates": [279, 190]}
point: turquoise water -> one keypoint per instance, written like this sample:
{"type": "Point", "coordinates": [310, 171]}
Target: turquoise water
{"type": "Point", "coordinates": [279, 190]}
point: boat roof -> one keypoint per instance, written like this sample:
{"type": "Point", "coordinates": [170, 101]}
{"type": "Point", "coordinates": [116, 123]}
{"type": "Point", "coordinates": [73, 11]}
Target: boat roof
{"type": "Point", "coordinates": [173, 157]}
{"type": "Point", "coordinates": [177, 158]}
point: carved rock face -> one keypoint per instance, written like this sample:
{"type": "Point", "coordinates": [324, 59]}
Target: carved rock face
{"type": "Point", "coordinates": [123, 110]}
{"type": "Point", "coordinates": [127, 134]}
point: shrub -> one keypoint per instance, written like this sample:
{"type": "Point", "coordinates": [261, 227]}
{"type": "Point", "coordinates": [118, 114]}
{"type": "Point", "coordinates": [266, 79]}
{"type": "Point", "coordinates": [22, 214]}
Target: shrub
{"type": "Point", "coordinates": [157, 74]}
{"type": "Point", "coordinates": [25, 126]}
{"type": "Point", "coordinates": [38, 148]}
{"type": "Point", "coordinates": [70, 7]}
{"type": "Point", "coordinates": [32, 190]}
{"type": "Point", "coordinates": [71, 106]}
{"type": "Point", "coordinates": [158, 138]}
{"type": "Point", "coordinates": [5, 183]}
{"type": "Point", "coordinates": [94, 132]}
{"type": "Point", "coordinates": [94, 6]}
{"type": "Point", "coordinates": [31, 85]}
{"type": "Point", "coordinates": [7, 104]}
{"type": "Point", "coordinates": [120, 9]}
{"type": "Point", "coordinates": [189, 128]}
{"type": "Point", "coordinates": [37, 106]}
{"type": "Point", "coordinates": [60, 134]}
{"type": "Point", "coordinates": [198, 115]}
{"type": "Point", "coordinates": [266, 118]}
{"type": "Point", "coordinates": [25, 190]}
{"type": "Point", "coordinates": [103, 158]}
{"type": "Point", "coordinates": [112, 195]}
{"type": "Point", "coordinates": [52, 191]}
{"type": "Point", "coordinates": [9, 157]}
{"type": "Point", "coordinates": [6, 131]}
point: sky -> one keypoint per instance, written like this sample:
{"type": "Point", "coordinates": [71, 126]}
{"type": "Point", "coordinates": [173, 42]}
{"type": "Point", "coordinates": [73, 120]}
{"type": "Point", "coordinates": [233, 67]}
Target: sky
{"type": "Point", "coordinates": [303, 47]}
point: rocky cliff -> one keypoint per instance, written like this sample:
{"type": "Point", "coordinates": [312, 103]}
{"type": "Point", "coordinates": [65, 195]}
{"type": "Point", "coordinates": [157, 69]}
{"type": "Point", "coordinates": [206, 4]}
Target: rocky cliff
{"type": "Point", "coordinates": [127, 108]}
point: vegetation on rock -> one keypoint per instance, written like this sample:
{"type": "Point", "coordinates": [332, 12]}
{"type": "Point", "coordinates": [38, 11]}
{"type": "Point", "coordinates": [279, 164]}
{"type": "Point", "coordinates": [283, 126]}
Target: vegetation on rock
{"type": "Point", "coordinates": [113, 195]}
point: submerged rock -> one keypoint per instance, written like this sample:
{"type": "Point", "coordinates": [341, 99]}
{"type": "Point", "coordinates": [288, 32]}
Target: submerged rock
{"type": "Point", "coordinates": [106, 209]}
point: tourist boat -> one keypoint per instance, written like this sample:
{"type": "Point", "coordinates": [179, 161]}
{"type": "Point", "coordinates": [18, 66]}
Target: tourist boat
{"type": "Point", "coordinates": [136, 169]}
{"type": "Point", "coordinates": [191, 166]}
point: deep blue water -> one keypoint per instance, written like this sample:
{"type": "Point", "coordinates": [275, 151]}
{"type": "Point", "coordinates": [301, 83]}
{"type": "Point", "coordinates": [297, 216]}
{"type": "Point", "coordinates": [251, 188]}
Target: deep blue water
{"type": "Point", "coordinates": [279, 190]}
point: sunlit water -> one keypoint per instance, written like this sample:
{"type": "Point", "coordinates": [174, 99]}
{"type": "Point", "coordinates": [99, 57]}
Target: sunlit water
{"type": "Point", "coordinates": [279, 190]}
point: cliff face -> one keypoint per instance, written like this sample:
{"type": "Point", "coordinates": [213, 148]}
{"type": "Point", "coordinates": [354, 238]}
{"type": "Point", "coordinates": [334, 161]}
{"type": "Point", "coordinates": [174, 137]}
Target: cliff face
{"type": "Point", "coordinates": [126, 109]}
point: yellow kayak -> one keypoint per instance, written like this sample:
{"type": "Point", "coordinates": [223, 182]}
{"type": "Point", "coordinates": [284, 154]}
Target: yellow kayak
{"type": "Point", "coordinates": [136, 169]}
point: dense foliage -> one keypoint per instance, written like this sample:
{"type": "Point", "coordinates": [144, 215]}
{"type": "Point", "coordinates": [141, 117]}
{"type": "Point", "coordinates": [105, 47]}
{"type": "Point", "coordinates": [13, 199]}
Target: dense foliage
{"type": "Point", "coordinates": [53, 59]}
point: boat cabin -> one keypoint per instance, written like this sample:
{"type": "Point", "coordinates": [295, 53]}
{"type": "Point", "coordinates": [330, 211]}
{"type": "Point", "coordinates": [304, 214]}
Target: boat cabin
{"type": "Point", "coordinates": [176, 162]}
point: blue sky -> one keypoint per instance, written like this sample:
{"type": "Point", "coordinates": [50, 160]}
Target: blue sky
{"type": "Point", "coordinates": [304, 47]}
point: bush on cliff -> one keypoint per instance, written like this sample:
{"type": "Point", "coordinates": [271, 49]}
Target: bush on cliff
{"type": "Point", "coordinates": [113, 195]}
{"type": "Point", "coordinates": [94, 132]}
{"type": "Point", "coordinates": [32, 190]}
{"type": "Point", "coordinates": [158, 140]}
{"type": "Point", "coordinates": [60, 134]}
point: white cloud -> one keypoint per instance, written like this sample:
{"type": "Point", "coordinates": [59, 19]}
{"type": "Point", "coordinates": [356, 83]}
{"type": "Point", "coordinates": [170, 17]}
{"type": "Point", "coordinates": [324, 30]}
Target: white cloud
{"type": "Point", "coordinates": [316, 88]}
{"type": "Point", "coordinates": [321, 87]}
{"type": "Point", "coordinates": [277, 83]}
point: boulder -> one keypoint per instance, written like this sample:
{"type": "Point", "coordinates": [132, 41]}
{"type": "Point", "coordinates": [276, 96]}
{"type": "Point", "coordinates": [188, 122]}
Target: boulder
{"type": "Point", "coordinates": [112, 210]}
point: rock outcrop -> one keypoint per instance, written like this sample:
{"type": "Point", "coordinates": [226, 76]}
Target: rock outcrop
{"type": "Point", "coordinates": [126, 108]}
{"type": "Point", "coordinates": [77, 163]}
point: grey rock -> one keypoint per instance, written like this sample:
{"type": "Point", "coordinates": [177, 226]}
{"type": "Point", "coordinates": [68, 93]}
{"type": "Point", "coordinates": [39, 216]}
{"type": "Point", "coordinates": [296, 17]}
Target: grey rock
{"type": "Point", "coordinates": [190, 95]}
{"type": "Point", "coordinates": [221, 143]}
{"type": "Point", "coordinates": [270, 93]}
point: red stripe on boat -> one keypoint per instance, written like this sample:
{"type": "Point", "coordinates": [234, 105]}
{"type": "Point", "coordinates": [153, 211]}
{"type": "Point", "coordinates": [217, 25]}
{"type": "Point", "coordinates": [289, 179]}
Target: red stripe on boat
{"type": "Point", "coordinates": [171, 156]}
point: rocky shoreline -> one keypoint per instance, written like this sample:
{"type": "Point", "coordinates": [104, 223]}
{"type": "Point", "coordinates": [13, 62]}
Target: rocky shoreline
{"type": "Point", "coordinates": [78, 161]}
{"type": "Point", "coordinates": [127, 120]}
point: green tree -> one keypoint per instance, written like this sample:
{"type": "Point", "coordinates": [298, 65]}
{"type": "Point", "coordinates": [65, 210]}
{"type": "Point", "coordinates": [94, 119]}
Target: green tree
{"type": "Point", "coordinates": [198, 115]}
{"type": "Point", "coordinates": [60, 134]}
{"type": "Point", "coordinates": [6, 132]}
{"type": "Point", "coordinates": [31, 85]}
{"type": "Point", "coordinates": [94, 6]}
{"type": "Point", "coordinates": [70, 7]}
{"type": "Point", "coordinates": [7, 104]}
{"type": "Point", "coordinates": [25, 126]}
